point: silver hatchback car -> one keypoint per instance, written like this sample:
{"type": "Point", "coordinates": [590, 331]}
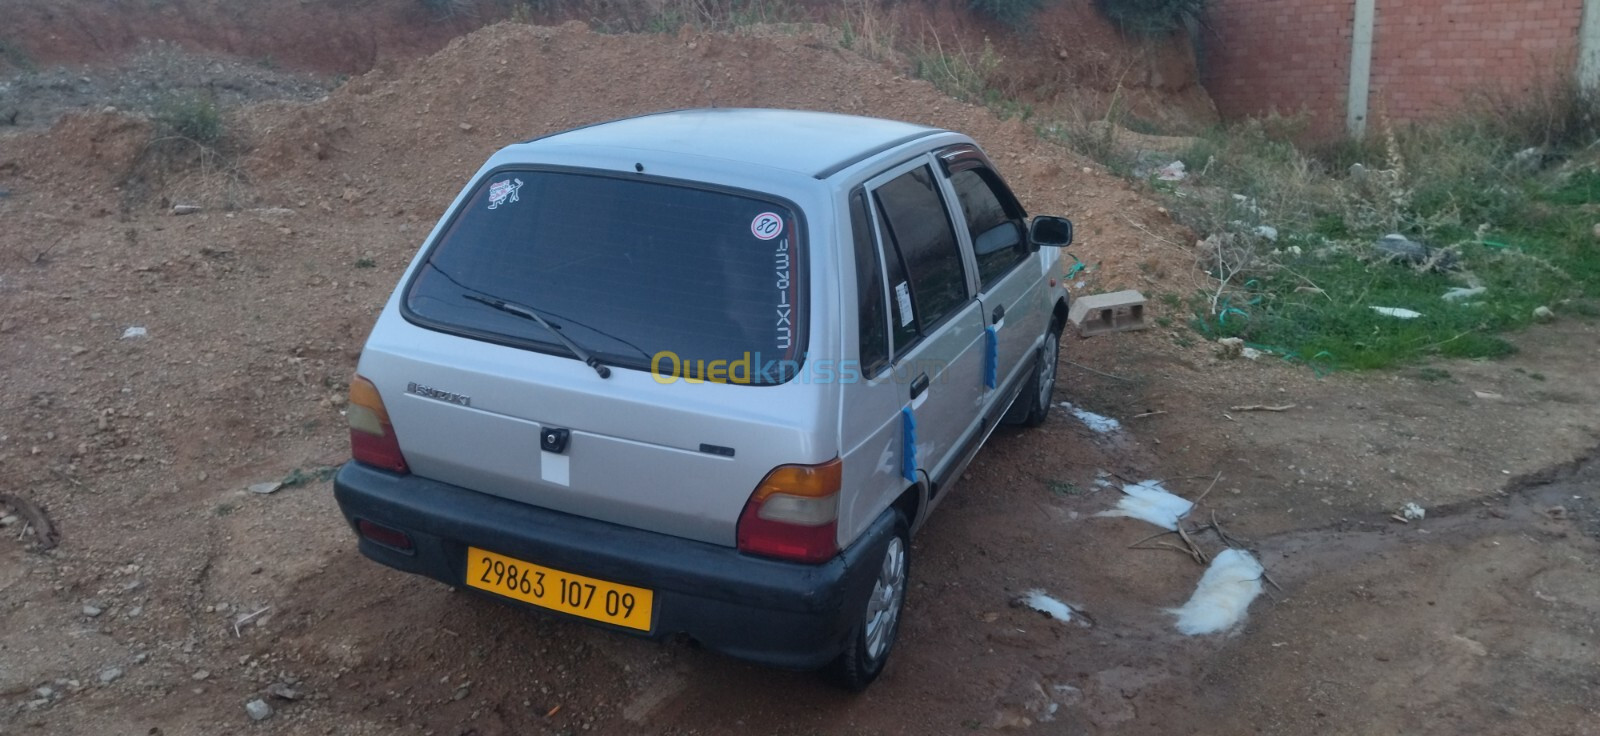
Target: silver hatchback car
{"type": "Point", "coordinates": [703, 373]}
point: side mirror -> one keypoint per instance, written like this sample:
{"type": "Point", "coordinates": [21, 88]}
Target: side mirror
{"type": "Point", "coordinates": [1054, 232]}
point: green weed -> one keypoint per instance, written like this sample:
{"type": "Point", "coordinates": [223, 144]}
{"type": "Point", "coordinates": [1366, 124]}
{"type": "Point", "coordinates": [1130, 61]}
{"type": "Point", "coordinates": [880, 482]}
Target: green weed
{"type": "Point", "coordinates": [962, 74]}
{"type": "Point", "coordinates": [317, 474]}
{"type": "Point", "coordinates": [1508, 219]}
{"type": "Point", "coordinates": [193, 117]}
{"type": "Point", "coordinates": [1152, 17]}
{"type": "Point", "coordinates": [1433, 375]}
{"type": "Point", "coordinates": [1065, 488]}
{"type": "Point", "coordinates": [1013, 13]}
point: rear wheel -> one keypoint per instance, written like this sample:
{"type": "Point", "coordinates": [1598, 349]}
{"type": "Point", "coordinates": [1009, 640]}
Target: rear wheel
{"type": "Point", "coordinates": [1041, 387]}
{"type": "Point", "coordinates": [878, 623]}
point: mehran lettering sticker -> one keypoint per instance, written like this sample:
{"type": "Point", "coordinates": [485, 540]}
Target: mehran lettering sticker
{"type": "Point", "coordinates": [785, 327]}
{"type": "Point", "coordinates": [766, 226]}
{"type": "Point", "coordinates": [902, 295]}
{"type": "Point", "coordinates": [503, 192]}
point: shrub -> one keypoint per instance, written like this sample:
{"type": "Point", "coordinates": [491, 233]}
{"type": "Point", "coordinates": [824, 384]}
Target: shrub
{"type": "Point", "coordinates": [1014, 13]}
{"type": "Point", "coordinates": [1558, 115]}
{"type": "Point", "coordinates": [194, 117]}
{"type": "Point", "coordinates": [1152, 17]}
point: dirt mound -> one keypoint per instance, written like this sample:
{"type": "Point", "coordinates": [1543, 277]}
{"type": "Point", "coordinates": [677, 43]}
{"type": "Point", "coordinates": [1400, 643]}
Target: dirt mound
{"type": "Point", "coordinates": [404, 143]}
{"type": "Point", "coordinates": [98, 147]}
{"type": "Point", "coordinates": [324, 36]}
{"type": "Point", "coordinates": [400, 143]}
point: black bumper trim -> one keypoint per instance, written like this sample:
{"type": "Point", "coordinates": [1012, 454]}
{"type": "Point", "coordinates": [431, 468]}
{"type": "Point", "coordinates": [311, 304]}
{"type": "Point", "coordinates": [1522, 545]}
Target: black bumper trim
{"type": "Point", "coordinates": [778, 613]}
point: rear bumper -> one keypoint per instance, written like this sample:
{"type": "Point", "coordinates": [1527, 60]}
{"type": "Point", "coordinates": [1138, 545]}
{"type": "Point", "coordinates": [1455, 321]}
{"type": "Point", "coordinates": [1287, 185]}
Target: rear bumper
{"type": "Point", "coordinates": [773, 612]}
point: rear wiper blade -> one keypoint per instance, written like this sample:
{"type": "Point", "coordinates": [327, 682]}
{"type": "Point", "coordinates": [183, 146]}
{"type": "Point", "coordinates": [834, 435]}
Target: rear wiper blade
{"type": "Point", "coordinates": [528, 313]}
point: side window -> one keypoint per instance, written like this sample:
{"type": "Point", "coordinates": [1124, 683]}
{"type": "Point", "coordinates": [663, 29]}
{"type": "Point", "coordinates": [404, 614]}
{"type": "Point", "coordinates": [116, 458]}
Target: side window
{"type": "Point", "coordinates": [873, 325]}
{"type": "Point", "coordinates": [998, 240]}
{"type": "Point", "coordinates": [920, 229]}
{"type": "Point", "coordinates": [903, 324]}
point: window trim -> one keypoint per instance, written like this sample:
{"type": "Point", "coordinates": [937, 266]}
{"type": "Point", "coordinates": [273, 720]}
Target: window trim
{"type": "Point", "coordinates": [966, 156]}
{"type": "Point", "coordinates": [800, 246]}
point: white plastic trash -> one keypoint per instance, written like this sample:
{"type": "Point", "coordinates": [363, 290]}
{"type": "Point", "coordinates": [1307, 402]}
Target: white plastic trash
{"type": "Point", "coordinates": [1397, 312]}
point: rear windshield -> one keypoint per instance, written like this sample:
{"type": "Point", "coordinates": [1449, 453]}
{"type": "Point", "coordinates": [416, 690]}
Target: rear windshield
{"type": "Point", "coordinates": [642, 274]}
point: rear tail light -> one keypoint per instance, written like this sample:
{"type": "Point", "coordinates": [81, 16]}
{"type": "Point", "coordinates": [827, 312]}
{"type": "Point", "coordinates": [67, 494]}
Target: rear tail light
{"type": "Point", "coordinates": [793, 514]}
{"type": "Point", "coordinates": [372, 439]}
{"type": "Point", "coordinates": [384, 535]}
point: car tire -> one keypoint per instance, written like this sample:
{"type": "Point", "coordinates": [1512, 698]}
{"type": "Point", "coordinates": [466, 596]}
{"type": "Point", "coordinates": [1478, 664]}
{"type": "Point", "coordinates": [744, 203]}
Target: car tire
{"type": "Point", "coordinates": [878, 622]}
{"type": "Point", "coordinates": [1042, 385]}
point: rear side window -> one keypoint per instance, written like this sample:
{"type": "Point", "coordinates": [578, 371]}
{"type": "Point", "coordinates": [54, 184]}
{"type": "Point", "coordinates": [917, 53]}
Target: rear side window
{"type": "Point", "coordinates": [920, 227]}
{"type": "Point", "coordinates": [903, 322]}
{"type": "Point", "coordinates": [872, 322]}
{"type": "Point", "coordinates": [635, 271]}
{"type": "Point", "coordinates": [997, 236]}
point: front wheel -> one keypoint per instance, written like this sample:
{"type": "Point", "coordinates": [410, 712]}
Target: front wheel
{"type": "Point", "coordinates": [1041, 388]}
{"type": "Point", "coordinates": [879, 621]}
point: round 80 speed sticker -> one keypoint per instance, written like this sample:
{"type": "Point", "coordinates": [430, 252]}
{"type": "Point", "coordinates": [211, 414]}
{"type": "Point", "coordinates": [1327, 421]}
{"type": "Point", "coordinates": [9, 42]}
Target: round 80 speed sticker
{"type": "Point", "coordinates": [766, 226]}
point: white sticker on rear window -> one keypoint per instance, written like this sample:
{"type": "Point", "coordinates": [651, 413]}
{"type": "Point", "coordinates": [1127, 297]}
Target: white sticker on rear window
{"type": "Point", "coordinates": [902, 295]}
{"type": "Point", "coordinates": [781, 263]}
{"type": "Point", "coordinates": [503, 192]}
{"type": "Point", "coordinates": [766, 226]}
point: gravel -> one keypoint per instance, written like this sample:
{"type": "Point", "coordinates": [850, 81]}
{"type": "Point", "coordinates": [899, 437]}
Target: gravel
{"type": "Point", "coordinates": [258, 710]}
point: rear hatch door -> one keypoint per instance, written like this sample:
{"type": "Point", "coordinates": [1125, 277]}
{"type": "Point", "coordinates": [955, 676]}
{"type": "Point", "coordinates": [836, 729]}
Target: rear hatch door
{"type": "Point", "coordinates": [691, 295]}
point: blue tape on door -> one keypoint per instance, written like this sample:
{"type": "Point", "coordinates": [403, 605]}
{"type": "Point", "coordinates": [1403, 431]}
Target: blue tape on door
{"type": "Point", "coordinates": [908, 451]}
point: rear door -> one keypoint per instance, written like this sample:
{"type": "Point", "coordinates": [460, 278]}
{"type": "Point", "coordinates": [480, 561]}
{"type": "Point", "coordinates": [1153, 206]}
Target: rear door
{"type": "Point", "coordinates": [935, 322]}
{"type": "Point", "coordinates": [694, 296]}
{"type": "Point", "coordinates": [1010, 283]}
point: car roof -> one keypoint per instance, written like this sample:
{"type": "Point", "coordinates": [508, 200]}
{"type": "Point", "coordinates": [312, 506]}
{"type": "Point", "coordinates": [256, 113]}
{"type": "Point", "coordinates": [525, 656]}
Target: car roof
{"type": "Point", "coordinates": [812, 143]}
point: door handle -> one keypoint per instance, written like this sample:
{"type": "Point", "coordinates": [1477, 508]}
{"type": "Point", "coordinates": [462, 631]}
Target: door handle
{"type": "Point", "coordinates": [919, 385]}
{"type": "Point", "coordinates": [999, 313]}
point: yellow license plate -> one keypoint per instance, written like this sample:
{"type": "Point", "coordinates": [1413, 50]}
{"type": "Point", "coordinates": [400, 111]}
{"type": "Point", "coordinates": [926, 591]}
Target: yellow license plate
{"type": "Point", "coordinates": [591, 598]}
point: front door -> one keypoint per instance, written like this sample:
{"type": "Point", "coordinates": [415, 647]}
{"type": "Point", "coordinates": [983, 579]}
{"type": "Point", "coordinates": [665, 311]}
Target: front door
{"type": "Point", "coordinates": [1010, 283]}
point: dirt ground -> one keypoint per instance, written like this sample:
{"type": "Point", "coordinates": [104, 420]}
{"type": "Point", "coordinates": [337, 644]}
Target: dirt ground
{"type": "Point", "coordinates": [1480, 618]}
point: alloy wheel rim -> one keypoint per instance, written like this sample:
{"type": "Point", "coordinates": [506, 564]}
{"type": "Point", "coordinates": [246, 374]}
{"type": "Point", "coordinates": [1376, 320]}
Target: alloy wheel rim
{"type": "Point", "coordinates": [883, 608]}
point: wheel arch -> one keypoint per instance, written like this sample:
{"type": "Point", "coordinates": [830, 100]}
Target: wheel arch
{"type": "Point", "coordinates": [912, 503]}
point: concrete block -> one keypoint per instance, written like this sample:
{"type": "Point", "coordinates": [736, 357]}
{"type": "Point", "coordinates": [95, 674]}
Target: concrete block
{"type": "Point", "coordinates": [1098, 314]}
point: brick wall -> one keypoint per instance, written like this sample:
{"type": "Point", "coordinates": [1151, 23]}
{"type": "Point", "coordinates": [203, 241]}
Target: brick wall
{"type": "Point", "coordinates": [1429, 56]}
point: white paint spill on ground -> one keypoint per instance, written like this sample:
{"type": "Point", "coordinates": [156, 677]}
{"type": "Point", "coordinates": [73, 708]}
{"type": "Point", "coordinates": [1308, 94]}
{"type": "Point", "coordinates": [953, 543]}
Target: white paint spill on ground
{"type": "Point", "coordinates": [1150, 502]}
{"type": "Point", "coordinates": [1226, 589]}
{"type": "Point", "coordinates": [1040, 601]}
{"type": "Point", "coordinates": [1095, 421]}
